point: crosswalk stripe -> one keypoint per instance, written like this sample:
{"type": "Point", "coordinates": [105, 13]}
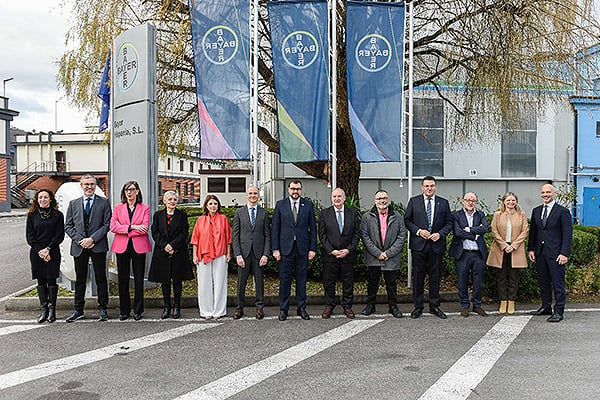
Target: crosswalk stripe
{"type": "Point", "coordinates": [64, 364]}
{"type": "Point", "coordinates": [7, 330]}
{"type": "Point", "coordinates": [466, 373]}
{"type": "Point", "coordinates": [251, 375]}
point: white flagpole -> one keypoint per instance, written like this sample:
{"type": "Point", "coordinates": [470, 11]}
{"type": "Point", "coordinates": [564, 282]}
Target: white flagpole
{"type": "Point", "coordinates": [333, 69]}
{"type": "Point", "coordinates": [410, 120]}
{"type": "Point", "coordinates": [254, 91]}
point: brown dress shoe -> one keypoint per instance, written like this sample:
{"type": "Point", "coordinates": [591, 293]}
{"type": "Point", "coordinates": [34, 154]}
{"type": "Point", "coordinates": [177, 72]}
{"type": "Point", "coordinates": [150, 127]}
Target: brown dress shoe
{"type": "Point", "coordinates": [260, 314]}
{"type": "Point", "coordinates": [238, 313]}
{"type": "Point", "coordinates": [327, 312]}
{"type": "Point", "coordinates": [349, 313]}
{"type": "Point", "coordinates": [465, 312]}
{"type": "Point", "coordinates": [480, 311]}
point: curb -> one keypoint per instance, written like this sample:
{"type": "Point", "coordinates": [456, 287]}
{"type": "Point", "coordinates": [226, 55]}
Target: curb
{"type": "Point", "coordinates": [66, 303]}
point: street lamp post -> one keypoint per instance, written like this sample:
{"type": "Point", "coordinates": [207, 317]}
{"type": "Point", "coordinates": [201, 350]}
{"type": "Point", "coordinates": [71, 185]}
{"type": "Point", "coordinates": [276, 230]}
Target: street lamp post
{"type": "Point", "coordinates": [4, 85]}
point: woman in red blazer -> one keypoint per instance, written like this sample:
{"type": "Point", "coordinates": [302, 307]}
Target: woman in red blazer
{"type": "Point", "coordinates": [130, 221]}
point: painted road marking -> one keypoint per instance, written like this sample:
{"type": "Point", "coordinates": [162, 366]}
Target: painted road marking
{"type": "Point", "coordinates": [64, 364]}
{"type": "Point", "coordinates": [244, 378]}
{"type": "Point", "coordinates": [7, 330]}
{"type": "Point", "coordinates": [466, 373]}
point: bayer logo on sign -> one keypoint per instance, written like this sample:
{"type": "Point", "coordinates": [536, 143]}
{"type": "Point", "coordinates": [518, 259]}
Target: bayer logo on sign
{"type": "Point", "coordinates": [373, 52]}
{"type": "Point", "coordinates": [127, 66]}
{"type": "Point", "coordinates": [219, 44]}
{"type": "Point", "coordinates": [300, 49]}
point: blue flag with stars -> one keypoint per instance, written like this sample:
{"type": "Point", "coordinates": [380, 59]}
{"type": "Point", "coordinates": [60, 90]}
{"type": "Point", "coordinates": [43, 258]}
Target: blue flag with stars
{"type": "Point", "coordinates": [104, 94]}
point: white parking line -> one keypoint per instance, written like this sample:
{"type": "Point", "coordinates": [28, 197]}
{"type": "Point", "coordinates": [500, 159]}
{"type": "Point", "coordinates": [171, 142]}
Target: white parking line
{"type": "Point", "coordinates": [244, 378]}
{"type": "Point", "coordinates": [64, 364]}
{"type": "Point", "coordinates": [7, 330]}
{"type": "Point", "coordinates": [466, 373]}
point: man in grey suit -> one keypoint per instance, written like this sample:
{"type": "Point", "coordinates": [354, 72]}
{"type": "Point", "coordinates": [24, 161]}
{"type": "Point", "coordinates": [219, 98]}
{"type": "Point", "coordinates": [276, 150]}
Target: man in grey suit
{"type": "Point", "coordinates": [251, 247]}
{"type": "Point", "coordinates": [87, 224]}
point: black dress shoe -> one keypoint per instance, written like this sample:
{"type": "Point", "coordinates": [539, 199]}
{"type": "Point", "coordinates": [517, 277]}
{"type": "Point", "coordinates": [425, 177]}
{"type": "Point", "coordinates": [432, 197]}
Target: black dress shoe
{"type": "Point", "coordinates": [166, 313]}
{"type": "Point", "coordinates": [416, 313]}
{"type": "Point", "coordinates": [176, 312]}
{"type": "Point", "coordinates": [369, 309]}
{"type": "Point", "coordinates": [303, 314]}
{"type": "Point", "coordinates": [541, 311]}
{"type": "Point", "coordinates": [75, 316]}
{"type": "Point", "coordinates": [437, 312]}
{"type": "Point", "coordinates": [102, 315]}
{"type": "Point", "coordinates": [556, 317]}
{"type": "Point", "coordinates": [137, 317]}
{"type": "Point", "coordinates": [282, 315]}
{"type": "Point", "coordinates": [395, 312]}
{"type": "Point", "coordinates": [123, 317]}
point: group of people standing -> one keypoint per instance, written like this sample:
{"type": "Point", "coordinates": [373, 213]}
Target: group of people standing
{"type": "Point", "coordinates": [292, 240]}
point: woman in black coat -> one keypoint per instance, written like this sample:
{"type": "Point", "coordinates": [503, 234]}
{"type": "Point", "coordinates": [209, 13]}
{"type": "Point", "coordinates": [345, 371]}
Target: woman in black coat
{"type": "Point", "coordinates": [45, 231]}
{"type": "Point", "coordinates": [170, 261]}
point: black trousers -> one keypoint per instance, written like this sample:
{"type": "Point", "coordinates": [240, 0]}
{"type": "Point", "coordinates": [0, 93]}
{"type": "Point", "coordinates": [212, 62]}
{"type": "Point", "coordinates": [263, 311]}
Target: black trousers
{"type": "Point", "coordinates": [81, 272]}
{"type": "Point", "coordinates": [251, 266]}
{"type": "Point", "coordinates": [333, 271]}
{"type": "Point", "coordinates": [508, 279]}
{"type": "Point", "coordinates": [373, 274]}
{"type": "Point", "coordinates": [125, 262]}
{"type": "Point", "coordinates": [166, 292]}
{"type": "Point", "coordinates": [426, 262]}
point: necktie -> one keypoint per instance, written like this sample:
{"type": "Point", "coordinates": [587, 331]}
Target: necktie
{"type": "Point", "coordinates": [429, 214]}
{"type": "Point", "coordinates": [88, 203]}
{"type": "Point", "coordinates": [545, 215]}
{"type": "Point", "coordinates": [295, 212]}
{"type": "Point", "coordinates": [339, 219]}
{"type": "Point", "coordinates": [252, 215]}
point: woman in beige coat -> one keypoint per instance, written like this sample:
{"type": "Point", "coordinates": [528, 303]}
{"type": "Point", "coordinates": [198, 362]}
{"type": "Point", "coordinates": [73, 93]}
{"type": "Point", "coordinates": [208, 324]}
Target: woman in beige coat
{"type": "Point", "coordinates": [507, 253]}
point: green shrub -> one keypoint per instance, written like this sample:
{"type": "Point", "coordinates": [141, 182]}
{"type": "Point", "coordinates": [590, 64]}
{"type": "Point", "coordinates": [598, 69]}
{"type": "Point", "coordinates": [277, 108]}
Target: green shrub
{"type": "Point", "coordinates": [594, 230]}
{"type": "Point", "coordinates": [584, 247]}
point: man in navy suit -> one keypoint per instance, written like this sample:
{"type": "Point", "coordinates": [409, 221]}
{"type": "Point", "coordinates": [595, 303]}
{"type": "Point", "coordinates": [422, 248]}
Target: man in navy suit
{"type": "Point", "coordinates": [87, 223]}
{"type": "Point", "coordinates": [294, 242]}
{"type": "Point", "coordinates": [339, 231]}
{"type": "Point", "coordinates": [429, 220]}
{"type": "Point", "coordinates": [470, 252]}
{"type": "Point", "coordinates": [550, 236]}
{"type": "Point", "coordinates": [251, 247]}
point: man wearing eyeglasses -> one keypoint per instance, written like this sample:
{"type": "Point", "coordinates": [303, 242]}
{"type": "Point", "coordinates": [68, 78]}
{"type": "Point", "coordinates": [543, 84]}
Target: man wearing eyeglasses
{"type": "Point", "coordinates": [294, 242]}
{"type": "Point", "coordinates": [87, 224]}
{"type": "Point", "coordinates": [470, 252]}
{"type": "Point", "coordinates": [429, 220]}
{"type": "Point", "coordinates": [383, 234]}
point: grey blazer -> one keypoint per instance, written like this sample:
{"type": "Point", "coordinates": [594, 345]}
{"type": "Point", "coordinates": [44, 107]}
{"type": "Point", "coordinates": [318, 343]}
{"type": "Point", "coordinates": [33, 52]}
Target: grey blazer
{"type": "Point", "coordinates": [247, 237]}
{"type": "Point", "coordinates": [99, 226]}
{"type": "Point", "coordinates": [394, 239]}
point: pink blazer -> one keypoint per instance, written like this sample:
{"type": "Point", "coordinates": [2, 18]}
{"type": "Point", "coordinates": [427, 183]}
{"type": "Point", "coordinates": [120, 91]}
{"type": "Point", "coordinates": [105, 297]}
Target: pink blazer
{"type": "Point", "coordinates": [119, 225]}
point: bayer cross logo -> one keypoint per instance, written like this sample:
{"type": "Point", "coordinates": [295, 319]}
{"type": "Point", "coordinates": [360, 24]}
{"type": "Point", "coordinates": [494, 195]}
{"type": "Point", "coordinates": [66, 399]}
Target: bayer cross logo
{"type": "Point", "coordinates": [127, 66]}
{"type": "Point", "coordinates": [373, 53]}
{"type": "Point", "coordinates": [300, 49]}
{"type": "Point", "coordinates": [219, 44]}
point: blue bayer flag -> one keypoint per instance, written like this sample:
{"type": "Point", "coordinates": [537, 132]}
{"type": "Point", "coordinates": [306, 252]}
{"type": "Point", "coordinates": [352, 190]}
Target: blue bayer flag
{"type": "Point", "coordinates": [374, 61]}
{"type": "Point", "coordinates": [300, 63]}
{"type": "Point", "coordinates": [221, 43]}
{"type": "Point", "coordinates": [104, 94]}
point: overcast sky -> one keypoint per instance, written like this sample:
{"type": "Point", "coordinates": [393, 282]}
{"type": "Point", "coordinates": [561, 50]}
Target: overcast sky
{"type": "Point", "coordinates": [32, 37]}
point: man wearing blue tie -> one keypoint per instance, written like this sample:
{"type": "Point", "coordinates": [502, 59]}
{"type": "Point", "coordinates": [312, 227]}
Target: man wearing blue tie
{"type": "Point", "coordinates": [429, 220]}
{"type": "Point", "coordinates": [550, 236]}
{"type": "Point", "coordinates": [339, 231]}
{"type": "Point", "coordinates": [294, 242]}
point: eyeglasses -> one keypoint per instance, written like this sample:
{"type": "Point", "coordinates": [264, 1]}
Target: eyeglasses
{"type": "Point", "coordinates": [295, 189]}
{"type": "Point", "coordinates": [469, 201]}
{"type": "Point", "coordinates": [381, 198]}
{"type": "Point", "coordinates": [130, 189]}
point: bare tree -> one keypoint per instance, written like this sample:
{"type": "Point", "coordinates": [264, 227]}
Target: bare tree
{"type": "Point", "coordinates": [505, 55]}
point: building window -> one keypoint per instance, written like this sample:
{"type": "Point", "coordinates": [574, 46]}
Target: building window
{"type": "Point", "coordinates": [185, 189]}
{"type": "Point", "coordinates": [61, 161]}
{"type": "Point", "coordinates": [216, 185]}
{"type": "Point", "coordinates": [428, 137]}
{"type": "Point", "coordinates": [191, 166]}
{"type": "Point", "coordinates": [237, 185]}
{"type": "Point", "coordinates": [519, 146]}
{"type": "Point", "coordinates": [180, 165]}
{"type": "Point", "coordinates": [178, 188]}
{"type": "Point", "coordinates": [168, 163]}
{"type": "Point", "coordinates": [598, 129]}
{"type": "Point", "coordinates": [159, 188]}
{"type": "Point", "coordinates": [192, 190]}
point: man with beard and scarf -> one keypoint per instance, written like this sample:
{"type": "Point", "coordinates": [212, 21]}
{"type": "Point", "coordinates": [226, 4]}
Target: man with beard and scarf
{"type": "Point", "coordinates": [383, 234]}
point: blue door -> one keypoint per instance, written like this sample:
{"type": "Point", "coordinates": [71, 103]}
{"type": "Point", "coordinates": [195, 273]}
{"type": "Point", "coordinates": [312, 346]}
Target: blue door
{"type": "Point", "coordinates": [591, 206]}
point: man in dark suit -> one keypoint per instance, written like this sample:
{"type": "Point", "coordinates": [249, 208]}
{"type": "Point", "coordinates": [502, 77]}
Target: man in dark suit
{"type": "Point", "coordinates": [550, 236]}
{"type": "Point", "coordinates": [470, 252]}
{"type": "Point", "coordinates": [429, 220]}
{"type": "Point", "coordinates": [294, 242]}
{"type": "Point", "coordinates": [87, 223]}
{"type": "Point", "coordinates": [339, 231]}
{"type": "Point", "coordinates": [251, 247]}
